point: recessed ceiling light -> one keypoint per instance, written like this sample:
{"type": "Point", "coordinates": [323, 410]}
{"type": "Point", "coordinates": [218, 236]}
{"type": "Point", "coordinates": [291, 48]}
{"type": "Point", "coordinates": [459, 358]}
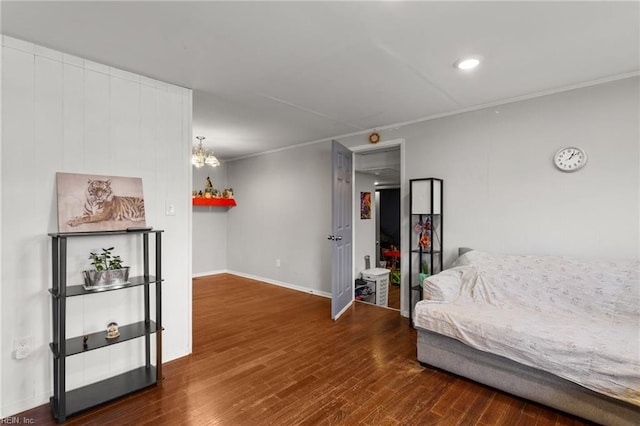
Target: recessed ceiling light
{"type": "Point", "coordinates": [467, 64]}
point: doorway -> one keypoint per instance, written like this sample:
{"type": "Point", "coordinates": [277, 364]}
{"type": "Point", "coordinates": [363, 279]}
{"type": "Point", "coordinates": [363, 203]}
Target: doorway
{"type": "Point", "coordinates": [377, 236]}
{"type": "Point", "coordinates": [389, 241]}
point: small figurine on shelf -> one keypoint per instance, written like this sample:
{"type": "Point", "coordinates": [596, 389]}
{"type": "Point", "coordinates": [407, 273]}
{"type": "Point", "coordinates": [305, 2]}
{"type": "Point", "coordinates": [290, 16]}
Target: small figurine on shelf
{"type": "Point", "coordinates": [228, 193]}
{"type": "Point", "coordinates": [425, 241]}
{"type": "Point", "coordinates": [420, 227]}
{"type": "Point", "coordinates": [200, 194]}
{"type": "Point", "coordinates": [112, 330]}
{"type": "Point", "coordinates": [209, 192]}
{"type": "Point", "coordinates": [424, 229]}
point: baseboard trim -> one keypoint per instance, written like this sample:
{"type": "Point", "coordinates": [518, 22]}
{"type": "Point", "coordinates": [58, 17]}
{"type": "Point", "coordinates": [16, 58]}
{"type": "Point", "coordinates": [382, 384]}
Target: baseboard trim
{"type": "Point", "coordinates": [205, 274]}
{"type": "Point", "coordinates": [282, 284]}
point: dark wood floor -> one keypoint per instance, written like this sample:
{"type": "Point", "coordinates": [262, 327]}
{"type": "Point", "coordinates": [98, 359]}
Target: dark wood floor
{"type": "Point", "coordinates": [265, 355]}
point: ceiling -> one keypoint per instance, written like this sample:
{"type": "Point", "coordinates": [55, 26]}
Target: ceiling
{"type": "Point", "coordinates": [267, 75]}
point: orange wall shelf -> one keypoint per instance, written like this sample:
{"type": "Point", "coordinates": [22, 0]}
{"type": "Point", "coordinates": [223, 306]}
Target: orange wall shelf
{"type": "Point", "coordinates": [214, 202]}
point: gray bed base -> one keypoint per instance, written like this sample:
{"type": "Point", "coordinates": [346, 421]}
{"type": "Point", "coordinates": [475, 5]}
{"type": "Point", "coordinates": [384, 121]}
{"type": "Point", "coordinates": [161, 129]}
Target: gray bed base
{"type": "Point", "coordinates": [451, 355]}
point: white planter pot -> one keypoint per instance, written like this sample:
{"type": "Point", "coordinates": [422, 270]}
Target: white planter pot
{"type": "Point", "coordinates": [99, 280]}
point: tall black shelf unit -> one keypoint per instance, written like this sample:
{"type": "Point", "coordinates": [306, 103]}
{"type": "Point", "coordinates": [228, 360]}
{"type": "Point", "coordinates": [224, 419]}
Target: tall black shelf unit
{"type": "Point", "coordinates": [66, 403]}
{"type": "Point", "coordinates": [425, 206]}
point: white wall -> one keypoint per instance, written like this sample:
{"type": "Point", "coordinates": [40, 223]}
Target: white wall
{"type": "Point", "coordinates": [284, 212]}
{"type": "Point", "coordinates": [209, 225]}
{"type": "Point", "coordinates": [501, 190]}
{"type": "Point", "coordinates": [64, 113]}
{"type": "Point", "coordinates": [364, 229]}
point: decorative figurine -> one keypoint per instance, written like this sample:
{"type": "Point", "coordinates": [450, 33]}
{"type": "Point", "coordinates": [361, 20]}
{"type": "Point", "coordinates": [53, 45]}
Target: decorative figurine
{"type": "Point", "coordinates": [424, 229]}
{"type": "Point", "coordinates": [85, 338]}
{"type": "Point", "coordinates": [112, 330]}
{"type": "Point", "coordinates": [208, 184]}
{"type": "Point", "coordinates": [425, 241]}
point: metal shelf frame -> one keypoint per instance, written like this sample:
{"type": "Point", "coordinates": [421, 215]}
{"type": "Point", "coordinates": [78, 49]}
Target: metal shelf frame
{"type": "Point", "coordinates": [65, 403]}
{"type": "Point", "coordinates": [426, 202]}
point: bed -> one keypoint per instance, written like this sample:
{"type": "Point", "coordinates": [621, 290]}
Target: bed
{"type": "Point", "coordinates": [558, 331]}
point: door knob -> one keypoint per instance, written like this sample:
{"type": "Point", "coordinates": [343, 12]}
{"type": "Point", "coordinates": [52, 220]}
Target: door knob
{"type": "Point", "coordinates": [338, 238]}
{"type": "Point", "coordinates": [331, 237]}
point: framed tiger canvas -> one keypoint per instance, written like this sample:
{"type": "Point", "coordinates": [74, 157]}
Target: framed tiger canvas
{"type": "Point", "coordinates": [91, 203]}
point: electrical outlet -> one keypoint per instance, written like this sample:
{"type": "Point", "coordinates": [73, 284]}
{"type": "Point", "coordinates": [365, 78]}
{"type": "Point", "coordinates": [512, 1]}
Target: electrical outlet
{"type": "Point", "coordinates": [22, 347]}
{"type": "Point", "coordinates": [277, 263]}
{"type": "Point", "coordinates": [169, 208]}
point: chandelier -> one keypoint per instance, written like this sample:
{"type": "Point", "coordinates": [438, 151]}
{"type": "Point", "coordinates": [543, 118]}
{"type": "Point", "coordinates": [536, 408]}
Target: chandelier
{"type": "Point", "coordinates": [201, 156]}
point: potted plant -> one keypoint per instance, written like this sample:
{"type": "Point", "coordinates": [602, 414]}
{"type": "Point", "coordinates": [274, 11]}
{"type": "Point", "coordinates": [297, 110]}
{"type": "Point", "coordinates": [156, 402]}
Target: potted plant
{"type": "Point", "coordinates": [108, 271]}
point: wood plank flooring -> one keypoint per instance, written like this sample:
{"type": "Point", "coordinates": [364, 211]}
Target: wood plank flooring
{"type": "Point", "coordinates": [265, 355]}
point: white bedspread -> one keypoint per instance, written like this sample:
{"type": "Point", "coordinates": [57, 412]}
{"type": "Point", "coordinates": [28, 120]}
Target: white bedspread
{"type": "Point", "coordinates": [578, 320]}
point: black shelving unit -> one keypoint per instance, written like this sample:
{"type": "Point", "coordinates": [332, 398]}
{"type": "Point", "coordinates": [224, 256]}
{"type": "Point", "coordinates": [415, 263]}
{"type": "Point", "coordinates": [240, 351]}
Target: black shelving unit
{"type": "Point", "coordinates": [66, 403]}
{"type": "Point", "coordinates": [426, 241]}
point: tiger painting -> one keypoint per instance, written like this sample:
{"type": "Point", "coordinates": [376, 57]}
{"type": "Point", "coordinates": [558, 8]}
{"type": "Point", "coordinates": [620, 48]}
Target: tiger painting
{"type": "Point", "coordinates": [101, 205]}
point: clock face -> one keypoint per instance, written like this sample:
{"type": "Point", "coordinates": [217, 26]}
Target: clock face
{"type": "Point", "coordinates": [570, 159]}
{"type": "Point", "coordinates": [374, 137]}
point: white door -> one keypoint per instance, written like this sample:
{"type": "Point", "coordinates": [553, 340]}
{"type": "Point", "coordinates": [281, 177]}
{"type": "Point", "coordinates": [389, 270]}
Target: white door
{"type": "Point", "coordinates": [342, 268]}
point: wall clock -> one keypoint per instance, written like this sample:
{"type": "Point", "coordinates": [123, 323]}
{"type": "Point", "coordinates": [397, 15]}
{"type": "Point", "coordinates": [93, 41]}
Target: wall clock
{"type": "Point", "coordinates": [374, 137]}
{"type": "Point", "coordinates": [570, 159]}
